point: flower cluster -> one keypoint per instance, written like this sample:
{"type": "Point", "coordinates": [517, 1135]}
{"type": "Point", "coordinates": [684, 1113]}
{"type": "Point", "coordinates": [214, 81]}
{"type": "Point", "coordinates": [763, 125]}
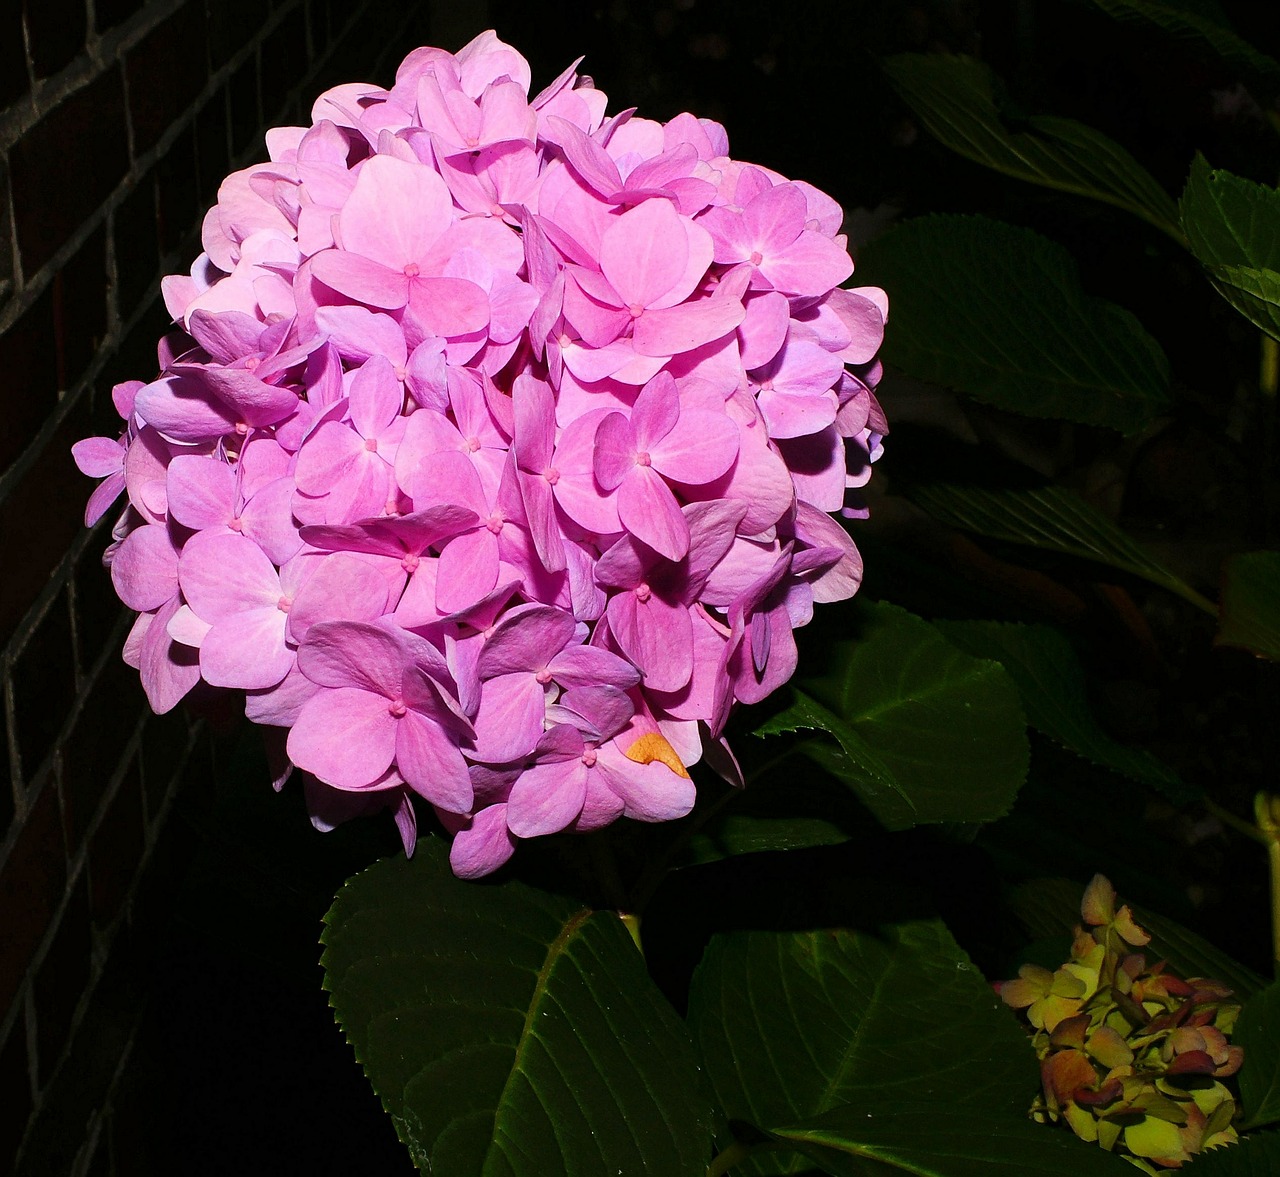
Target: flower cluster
{"type": "Point", "coordinates": [493, 451]}
{"type": "Point", "coordinates": [1130, 1055]}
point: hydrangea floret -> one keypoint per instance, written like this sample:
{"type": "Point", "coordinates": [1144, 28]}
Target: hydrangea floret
{"type": "Point", "coordinates": [493, 451]}
{"type": "Point", "coordinates": [1132, 1057]}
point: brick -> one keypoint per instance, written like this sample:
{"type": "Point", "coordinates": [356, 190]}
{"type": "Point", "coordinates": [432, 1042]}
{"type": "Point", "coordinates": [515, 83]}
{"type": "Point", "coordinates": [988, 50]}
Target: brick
{"type": "Point", "coordinates": [80, 308]}
{"type": "Point", "coordinates": [95, 607]}
{"type": "Point", "coordinates": [7, 284]}
{"type": "Point", "coordinates": [29, 361]}
{"type": "Point", "coordinates": [56, 33]}
{"type": "Point", "coordinates": [284, 56]}
{"type": "Point", "coordinates": [60, 981]}
{"type": "Point", "coordinates": [115, 849]}
{"type": "Point", "coordinates": [31, 884]}
{"type": "Point", "coordinates": [6, 784]}
{"type": "Point", "coordinates": [177, 191]}
{"type": "Point", "coordinates": [211, 145]}
{"type": "Point", "coordinates": [233, 24]}
{"type": "Point", "coordinates": [242, 93]}
{"type": "Point", "coordinates": [14, 82]}
{"type": "Point", "coordinates": [41, 516]}
{"type": "Point", "coordinates": [165, 71]}
{"type": "Point", "coordinates": [135, 358]}
{"type": "Point", "coordinates": [15, 1091]}
{"type": "Point", "coordinates": [137, 246]}
{"type": "Point", "coordinates": [44, 685]}
{"type": "Point", "coordinates": [65, 166]}
{"type": "Point", "coordinates": [109, 13]}
{"type": "Point", "coordinates": [94, 747]}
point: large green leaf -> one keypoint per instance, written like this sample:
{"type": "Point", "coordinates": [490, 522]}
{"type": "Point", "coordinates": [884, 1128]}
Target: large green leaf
{"type": "Point", "coordinates": [925, 733]}
{"type": "Point", "coordinates": [1258, 1031]}
{"type": "Point", "coordinates": [1251, 604]}
{"type": "Point", "coordinates": [1233, 228]}
{"type": "Point", "coordinates": [879, 1136]}
{"type": "Point", "coordinates": [1052, 518]}
{"type": "Point", "coordinates": [1049, 677]}
{"type": "Point", "coordinates": [1050, 907]}
{"type": "Point", "coordinates": [510, 1032]}
{"type": "Point", "coordinates": [1202, 21]}
{"type": "Point", "coordinates": [1257, 1155]}
{"type": "Point", "coordinates": [955, 98]}
{"type": "Point", "coordinates": [997, 312]}
{"type": "Point", "coordinates": [822, 1038]}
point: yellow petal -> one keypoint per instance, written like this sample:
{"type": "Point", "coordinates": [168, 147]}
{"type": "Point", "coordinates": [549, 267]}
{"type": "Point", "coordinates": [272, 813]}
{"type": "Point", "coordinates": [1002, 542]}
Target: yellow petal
{"type": "Point", "coordinates": [655, 746]}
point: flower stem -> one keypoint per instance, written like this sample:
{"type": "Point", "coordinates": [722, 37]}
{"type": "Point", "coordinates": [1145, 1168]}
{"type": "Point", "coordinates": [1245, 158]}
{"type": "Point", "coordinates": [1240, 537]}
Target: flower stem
{"type": "Point", "coordinates": [739, 1150]}
{"type": "Point", "coordinates": [1266, 810]}
{"type": "Point", "coordinates": [1269, 367]}
{"type": "Point", "coordinates": [1248, 829]}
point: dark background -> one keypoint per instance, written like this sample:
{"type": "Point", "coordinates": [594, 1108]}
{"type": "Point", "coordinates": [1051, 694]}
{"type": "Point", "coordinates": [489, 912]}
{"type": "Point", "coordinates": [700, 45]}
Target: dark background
{"type": "Point", "coordinates": [160, 1008]}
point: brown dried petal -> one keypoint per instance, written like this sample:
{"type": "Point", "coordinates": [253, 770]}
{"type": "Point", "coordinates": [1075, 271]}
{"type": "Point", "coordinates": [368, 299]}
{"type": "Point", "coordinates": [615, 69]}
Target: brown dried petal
{"type": "Point", "coordinates": [1099, 903]}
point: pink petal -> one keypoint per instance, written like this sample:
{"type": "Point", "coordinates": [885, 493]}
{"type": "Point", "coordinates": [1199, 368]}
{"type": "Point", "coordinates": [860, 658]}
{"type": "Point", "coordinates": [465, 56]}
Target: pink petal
{"type": "Point", "coordinates": [699, 448]}
{"type": "Point", "coordinates": [361, 278]}
{"type": "Point", "coordinates": [525, 640]}
{"type": "Point", "coordinates": [650, 792]}
{"type": "Point", "coordinates": [359, 655]}
{"type": "Point", "coordinates": [644, 254]}
{"type": "Point", "coordinates": [246, 650]}
{"type": "Point", "coordinates": [546, 798]}
{"type": "Point", "coordinates": [223, 574]}
{"type": "Point", "coordinates": [346, 737]}
{"type": "Point", "coordinates": [615, 451]}
{"type": "Point", "coordinates": [396, 212]}
{"type": "Point", "coordinates": [656, 635]}
{"type": "Point", "coordinates": [431, 764]}
{"type": "Point", "coordinates": [483, 846]}
{"type": "Point", "coordinates": [145, 568]}
{"type": "Point", "coordinates": [650, 512]}
{"type": "Point", "coordinates": [509, 721]}
{"type": "Point", "coordinates": [200, 491]}
{"type": "Point", "coordinates": [468, 569]}
{"type": "Point", "coordinates": [682, 328]}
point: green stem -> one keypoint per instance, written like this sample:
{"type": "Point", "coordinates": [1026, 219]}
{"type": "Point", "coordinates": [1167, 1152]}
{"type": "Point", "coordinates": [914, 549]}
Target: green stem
{"type": "Point", "coordinates": [1247, 828]}
{"type": "Point", "coordinates": [1266, 809]}
{"type": "Point", "coordinates": [1269, 367]}
{"type": "Point", "coordinates": [737, 1151]}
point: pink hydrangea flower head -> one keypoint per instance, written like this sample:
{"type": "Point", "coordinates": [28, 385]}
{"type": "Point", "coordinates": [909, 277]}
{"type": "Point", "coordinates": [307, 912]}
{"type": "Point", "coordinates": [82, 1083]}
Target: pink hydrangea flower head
{"type": "Point", "coordinates": [494, 453]}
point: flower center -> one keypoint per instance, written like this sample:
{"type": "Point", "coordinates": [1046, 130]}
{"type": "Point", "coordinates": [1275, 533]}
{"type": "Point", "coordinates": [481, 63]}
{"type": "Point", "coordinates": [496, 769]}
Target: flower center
{"type": "Point", "coordinates": [589, 758]}
{"type": "Point", "coordinates": [643, 459]}
{"type": "Point", "coordinates": [756, 257]}
{"type": "Point", "coordinates": [371, 444]}
{"type": "Point", "coordinates": [473, 444]}
{"type": "Point", "coordinates": [643, 592]}
{"type": "Point", "coordinates": [543, 676]}
{"type": "Point", "coordinates": [284, 604]}
{"type": "Point", "coordinates": [496, 523]}
{"type": "Point", "coordinates": [236, 525]}
{"type": "Point", "coordinates": [242, 427]}
{"type": "Point", "coordinates": [397, 708]}
{"type": "Point", "coordinates": [552, 475]}
{"type": "Point", "coordinates": [635, 310]}
{"type": "Point", "coordinates": [411, 270]}
{"type": "Point", "coordinates": [410, 563]}
{"type": "Point", "coordinates": [252, 362]}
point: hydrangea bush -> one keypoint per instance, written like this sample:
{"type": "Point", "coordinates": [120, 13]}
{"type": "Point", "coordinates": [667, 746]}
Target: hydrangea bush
{"type": "Point", "coordinates": [494, 450]}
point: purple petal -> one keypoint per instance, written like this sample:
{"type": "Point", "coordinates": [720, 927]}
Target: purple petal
{"type": "Point", "coordinates": [358, 655]}
{"type": "Point", "coordinates": [468, 569]}
{"type": "Point", "coordinates": [484, 846]}
{"type": "Point", "coordinates": [681, 328]}
{"type": "Point", "coordinates": [246, 650]}
{"type": "Point", "coordinates": [223, 574]}
{"type": "Point", "coordinates": [699, 448]}
{"type": "Point", "coordinates": [525, 639]}
{"type": "Point", "coordinates": [200, 491]}
{"type": "Point", "coordinates": [145, 568]}
{"type": "Point", "coordinates": [615, 451]}
{"type": "Point", "coordinates": [649, 792]}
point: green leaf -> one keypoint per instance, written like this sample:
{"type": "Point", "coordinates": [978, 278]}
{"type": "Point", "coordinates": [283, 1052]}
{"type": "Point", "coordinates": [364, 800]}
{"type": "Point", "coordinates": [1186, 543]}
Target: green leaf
{"type": "Point", "coordinates": [925, 732]}
{"type": "Point", "coordinates": [854, 1042]}
{"type": "Point", "coordinates": [1049, 907]}
{"type": "Point", "coordinates": [1255, 1156]}
{"type": "Point", "coordinates": [878, 1136]}
{"type": "Point", "coordinates": [1051, 682]}
{"type": "Point", "coordinates": [997, 312]}
{"type": "Point", "coordinates": [1258, 1031]}
{"type": "Point", "coordinates": [1233, 228]}
{"type": "Point", "coordinates": [1251, 604]}
{"type": "Point", "coordinates": [1201, 21]}
{"type": "Point", "coordinates": [955, 98]}
{"type": "Point", "coordinates": [509, 1031]}
{"type": "Point", "coordinates": [1054, 519]}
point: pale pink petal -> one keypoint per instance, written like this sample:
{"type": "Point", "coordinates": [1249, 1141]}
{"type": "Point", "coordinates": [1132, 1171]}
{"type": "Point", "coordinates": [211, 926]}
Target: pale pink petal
{"type": "Point", "coordinates": [346, 737]}
{"type": "Point", "coordinates": [431, 764]}
{"type": "Point", "coordinates": [546, 798]}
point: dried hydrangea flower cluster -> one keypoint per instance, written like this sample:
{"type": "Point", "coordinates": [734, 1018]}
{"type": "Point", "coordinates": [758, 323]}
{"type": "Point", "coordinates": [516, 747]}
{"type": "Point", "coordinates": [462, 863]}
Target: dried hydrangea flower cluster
{"type": "Point", "coordinates": [1131, 1056]}
{"type": "Point", "coordinates": [493, 453]}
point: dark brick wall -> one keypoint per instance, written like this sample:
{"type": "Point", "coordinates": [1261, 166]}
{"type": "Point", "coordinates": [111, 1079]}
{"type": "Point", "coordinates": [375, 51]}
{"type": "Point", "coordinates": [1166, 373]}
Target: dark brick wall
{"type": "Point", "coordinates": [118, 119]}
